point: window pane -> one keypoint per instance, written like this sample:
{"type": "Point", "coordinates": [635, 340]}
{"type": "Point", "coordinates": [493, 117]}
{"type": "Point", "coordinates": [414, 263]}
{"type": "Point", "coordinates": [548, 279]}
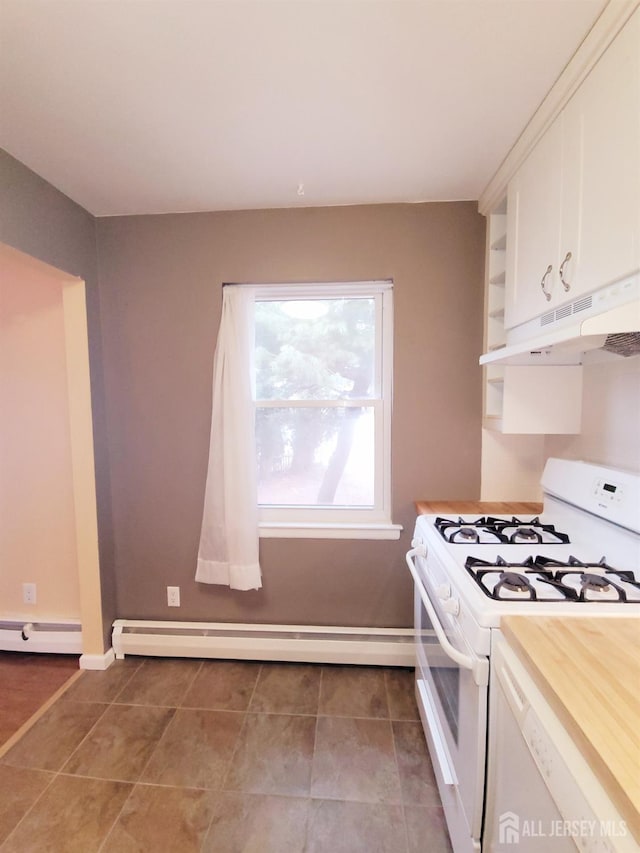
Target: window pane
{"type": "Point", "coordinates": [315, 349]}
{"type": "Point", "coordinates": [315, 456]}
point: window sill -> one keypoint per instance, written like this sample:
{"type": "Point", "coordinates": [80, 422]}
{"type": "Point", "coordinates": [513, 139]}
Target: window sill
{"type": "Point", "coordinates": [327, 530]}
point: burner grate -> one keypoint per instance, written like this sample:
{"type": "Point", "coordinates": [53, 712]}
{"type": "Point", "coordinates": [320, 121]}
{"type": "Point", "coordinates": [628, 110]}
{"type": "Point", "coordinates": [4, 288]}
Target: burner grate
{"type": "Point", "coordinates": [491, 530]}
{"type": "Point", "coordinates": [547, 579]}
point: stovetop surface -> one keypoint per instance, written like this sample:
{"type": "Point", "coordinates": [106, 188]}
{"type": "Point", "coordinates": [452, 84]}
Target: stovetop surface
{"type": "Point", "coordinates": [579, 544]}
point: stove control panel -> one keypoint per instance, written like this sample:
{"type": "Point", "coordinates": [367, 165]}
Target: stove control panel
{"type": "Point", "coordinates": [608, 491]}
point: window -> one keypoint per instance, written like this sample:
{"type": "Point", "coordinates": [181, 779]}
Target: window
{"type": "Point", "coordinates": [322, 371]}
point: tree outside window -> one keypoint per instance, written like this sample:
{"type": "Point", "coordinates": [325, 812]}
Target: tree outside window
{"type": "Point", "coordinates": [321, 402]}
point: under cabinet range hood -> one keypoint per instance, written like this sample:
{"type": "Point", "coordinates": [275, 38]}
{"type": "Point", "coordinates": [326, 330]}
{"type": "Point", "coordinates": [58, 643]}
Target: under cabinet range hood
{"type": "Point", "coordinates": [607, 319]}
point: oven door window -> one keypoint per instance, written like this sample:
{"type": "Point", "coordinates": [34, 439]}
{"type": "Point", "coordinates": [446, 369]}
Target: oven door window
{"type": "Point", "coordinates": [444, 672]}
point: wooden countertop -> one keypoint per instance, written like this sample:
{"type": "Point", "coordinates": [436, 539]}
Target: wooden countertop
{"type": "Point", "coordinates": [589, 671]}
{"type": "Point", "coordinates": [478, 508]}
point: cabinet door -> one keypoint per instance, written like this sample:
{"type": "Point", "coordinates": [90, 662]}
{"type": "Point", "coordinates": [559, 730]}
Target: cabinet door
{"type": "Point", "coordinates": [534, 200]}
{"type": "Point", "coordinates": [606, 112]}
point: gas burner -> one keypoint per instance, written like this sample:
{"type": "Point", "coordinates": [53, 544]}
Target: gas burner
{"type": "Point", "coordinates": [525, 532]}
{"type": "Point", "coordinates": [466, 531]}
{"type": "Point", "coordinates": [515, 582]}
{"type": "Point", "coordinates": [465, 534]}
{"type": "Point", "coordinates": [525, 535]}
{"type": "Point", "coordinates": [600, 587]}
{"type": "Point", "coordinates": [594, 582]}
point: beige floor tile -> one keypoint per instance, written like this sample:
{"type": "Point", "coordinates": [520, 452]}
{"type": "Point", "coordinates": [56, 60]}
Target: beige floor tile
{"type": "Point", "coordinates": [354, 760]}
{"type": "Point", "coordinates": [19, 789]}
{"type": "Point", "coordinates": [121, 743]}
{"type": "Point", "coordinates": [345, 827]}
{"type": "Point", "coordinates": [353, 691]}
{"type": "Point", "coordinates": [417, 782]}
{"type": "Point", "coordinates": [273, 756]}
{"type": "Point", "coordinates": [287, 689]}
{"type": "Point", "coordinates": [160, 681]}
{"type": "Point", "coordinates": [426, 830]}
{"type": "Point", "coordinates": [73, 815]}
{"type": "Point", "coordinates": [401, 694]}
{"type": "Point", "coordinates": [104, 685]}
{"type": "Point", "coordinates": [223, 686]}
{"type": "Point", "coordinates": [195, 749]}
{"type": "Point", "coordinates": [251, 823]}
{"type": "Point", "coordinates": [52, 739]}
{"type": "Point", "coordinates": [161, 820]}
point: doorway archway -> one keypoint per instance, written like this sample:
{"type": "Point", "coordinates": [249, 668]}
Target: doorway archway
{"type": "Point", "coordinates": [47, 474]}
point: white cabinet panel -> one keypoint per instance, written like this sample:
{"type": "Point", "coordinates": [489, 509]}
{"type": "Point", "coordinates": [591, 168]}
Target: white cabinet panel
{"type": "Point", "coordinates": [574, 205]}
{"type": "Point", "coordinates": [533, 230]}
{"type": "Point", "coordinates": [607, 110]}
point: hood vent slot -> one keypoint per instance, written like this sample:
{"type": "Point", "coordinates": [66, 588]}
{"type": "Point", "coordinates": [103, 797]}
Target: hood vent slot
{"type": "Point", "coordinates": [624, 344]}
{"type": "Point", "coordinates": [582, 304]}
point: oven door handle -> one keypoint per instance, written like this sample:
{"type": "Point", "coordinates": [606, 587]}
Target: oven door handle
{"type": "Point", "coordinates": [478, 666]}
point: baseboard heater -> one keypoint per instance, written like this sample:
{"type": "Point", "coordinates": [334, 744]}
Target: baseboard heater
{"type": "Point", "coordinates": [296, 643]}
{"type": "Point", "coordinates": [54, 637]}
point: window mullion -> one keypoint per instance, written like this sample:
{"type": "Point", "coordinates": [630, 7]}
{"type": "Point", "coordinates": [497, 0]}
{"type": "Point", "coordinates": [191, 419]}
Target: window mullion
{"type": "Point", "coordinates": [348, 403]}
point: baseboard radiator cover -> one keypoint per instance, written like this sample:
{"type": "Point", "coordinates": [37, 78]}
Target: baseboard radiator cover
{"type": "Point", "coordinates": [63, 638]}
{"type": "Point", "coordinates": [294, 643]}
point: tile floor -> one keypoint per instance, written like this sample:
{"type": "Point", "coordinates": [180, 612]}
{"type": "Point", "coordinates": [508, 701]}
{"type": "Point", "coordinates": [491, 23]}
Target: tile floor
{"type": "Point", "coordinates": [171, 755]}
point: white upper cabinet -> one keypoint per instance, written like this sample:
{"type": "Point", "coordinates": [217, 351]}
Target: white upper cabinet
{"type": "Point", "coordinates": [533, 229]}
{"type": "Point", "coordinates": [606, 109]}
{"type": "Point", "coordinates": [574, 204]}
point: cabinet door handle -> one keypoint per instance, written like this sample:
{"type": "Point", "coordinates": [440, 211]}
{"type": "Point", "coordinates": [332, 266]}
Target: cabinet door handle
{"type": "Point", "coordinates": [567, 258]}
{"type": "Point", "coordinates": [543, 280]}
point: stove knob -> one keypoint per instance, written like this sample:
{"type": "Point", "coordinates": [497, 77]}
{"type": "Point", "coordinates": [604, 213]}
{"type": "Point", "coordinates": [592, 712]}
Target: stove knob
{"type": "Point", "coordinates": [451, 605]}
{"type": "Point", "coordinates": [419, 545]}
{"type": "Point", "coordinates": [443, 591]}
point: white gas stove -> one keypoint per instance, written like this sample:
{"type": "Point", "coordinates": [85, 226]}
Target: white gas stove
{"type": "Point", "coordinates": [580, 556]}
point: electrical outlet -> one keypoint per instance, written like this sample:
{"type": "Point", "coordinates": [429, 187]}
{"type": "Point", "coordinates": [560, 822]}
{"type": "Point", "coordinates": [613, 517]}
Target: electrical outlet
{"type": "Point", "coordinates": [29, 593]}
{"type": "Point", "coordinates": [173, 596]}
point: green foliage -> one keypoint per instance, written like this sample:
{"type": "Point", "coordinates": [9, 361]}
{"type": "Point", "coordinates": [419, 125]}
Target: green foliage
{"type": "Point", "coordinates": [319, 349]}
{"type": "Point", "coordinates": [326, 355]}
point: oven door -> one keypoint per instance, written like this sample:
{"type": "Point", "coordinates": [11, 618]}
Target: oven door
{"type": "Point", "coordinates": [451, 689]}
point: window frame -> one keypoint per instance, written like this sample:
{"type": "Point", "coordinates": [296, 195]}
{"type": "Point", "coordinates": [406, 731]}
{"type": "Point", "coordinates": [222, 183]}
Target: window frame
{"type": "Point", "coordinates": [343, 522]}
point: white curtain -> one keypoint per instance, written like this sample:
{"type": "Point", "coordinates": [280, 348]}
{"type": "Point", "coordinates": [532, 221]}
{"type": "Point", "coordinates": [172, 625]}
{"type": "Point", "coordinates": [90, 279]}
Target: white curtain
{"type": "Point", "coordinates": [228, 552]}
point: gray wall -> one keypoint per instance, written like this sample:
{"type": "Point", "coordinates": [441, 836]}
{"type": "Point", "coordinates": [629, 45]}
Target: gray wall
{"type": "Point", "coordinates": [42, 222]}
{"type": "Point", "coordinates": [160, 286]}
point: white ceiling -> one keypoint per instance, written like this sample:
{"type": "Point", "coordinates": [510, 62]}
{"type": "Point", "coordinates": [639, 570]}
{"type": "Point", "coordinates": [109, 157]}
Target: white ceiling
{"type": "Point", "coordinates": [155, 106]}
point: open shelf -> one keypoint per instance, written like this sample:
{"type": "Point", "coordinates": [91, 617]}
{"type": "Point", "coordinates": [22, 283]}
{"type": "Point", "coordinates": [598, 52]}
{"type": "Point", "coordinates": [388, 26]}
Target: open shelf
{"type": "Point", "coordinates": [500, 243]}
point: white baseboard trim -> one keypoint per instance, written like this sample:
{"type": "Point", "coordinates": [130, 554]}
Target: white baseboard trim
{"type": "Point", "coordinates": [53, 638]}
{"type": "Point", "coordinates": [98, 661]}
{"type": "Point", "coordinates": [296, 643]}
